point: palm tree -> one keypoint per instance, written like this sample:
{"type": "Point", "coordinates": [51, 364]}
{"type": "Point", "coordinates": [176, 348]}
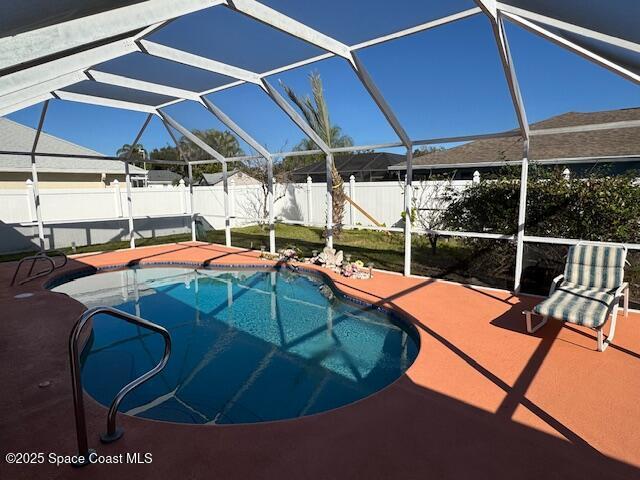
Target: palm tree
{"type": "Point", "coordinates": [137, 151]}
{"type": "Point", "coordinates": [223, 142]}
{"type": "Point", "coordinates": [316, 112]}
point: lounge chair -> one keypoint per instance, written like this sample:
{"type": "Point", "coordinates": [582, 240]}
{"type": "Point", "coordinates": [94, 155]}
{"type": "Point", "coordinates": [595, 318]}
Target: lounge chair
{"type": "Point", "coordinates": [589, 290]}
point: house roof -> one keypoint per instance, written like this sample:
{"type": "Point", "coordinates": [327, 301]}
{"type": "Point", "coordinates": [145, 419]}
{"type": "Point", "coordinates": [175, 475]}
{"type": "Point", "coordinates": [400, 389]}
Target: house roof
{"type": "Point", "coordinates": [242, 178]}
{"type": "Point", "coordinates": [162, 176]}
{"type": "Point", "coordinates": [17, 137]}
{"type": "Point", "coordinates": [215, 178]}
{"type": "Point", "coordinates": [354, 162]}
{"type": "Point", "coordinates": [596, 143]}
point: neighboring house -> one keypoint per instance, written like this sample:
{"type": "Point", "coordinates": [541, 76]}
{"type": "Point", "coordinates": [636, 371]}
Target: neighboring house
{"type": "Point", "coordinates": [365, 167]}
{"type": "Point", "coordinates": [238, 178]}
{"type": "Point", "coordinates": [576, 151]}
{"type": "Point", "coordinates": [54, 172]}
{"type": "Point", "coordinates": [162, 178]}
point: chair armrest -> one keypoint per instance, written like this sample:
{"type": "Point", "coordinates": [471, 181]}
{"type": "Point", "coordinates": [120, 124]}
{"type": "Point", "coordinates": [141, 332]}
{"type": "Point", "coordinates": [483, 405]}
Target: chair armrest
{"type": "Point", "coordinates": [619, 291]}
{"type": "Point", "coordinates": [554, 284]}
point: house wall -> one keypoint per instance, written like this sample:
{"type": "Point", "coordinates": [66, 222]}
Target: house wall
{"type": "Point", "coordinates": [17, 180]}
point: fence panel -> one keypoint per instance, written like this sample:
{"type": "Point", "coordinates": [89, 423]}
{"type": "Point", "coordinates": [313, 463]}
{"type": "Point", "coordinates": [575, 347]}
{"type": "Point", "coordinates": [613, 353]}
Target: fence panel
{"type": "Point", "coordinates": [300, 203]}
{"type": "Point", "coordinates": [77, 204]}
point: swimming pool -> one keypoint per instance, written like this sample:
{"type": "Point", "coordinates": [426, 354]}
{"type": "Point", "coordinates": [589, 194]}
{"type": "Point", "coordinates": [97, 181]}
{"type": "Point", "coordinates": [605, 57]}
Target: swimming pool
{"type": "Point", "coordinates": [248, 345]}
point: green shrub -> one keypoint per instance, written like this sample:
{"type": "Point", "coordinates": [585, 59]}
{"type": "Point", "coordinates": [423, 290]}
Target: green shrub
{"type": "Point", "coordinates": [597, 206]}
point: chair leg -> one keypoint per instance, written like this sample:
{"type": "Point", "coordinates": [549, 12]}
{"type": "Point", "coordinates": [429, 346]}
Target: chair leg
{"type": "Point", "coordinates": [603, 342]}
{"type": "Point", "coordinates": [530, 328]}
{"type": "Point", "coordinates": [626, 302]}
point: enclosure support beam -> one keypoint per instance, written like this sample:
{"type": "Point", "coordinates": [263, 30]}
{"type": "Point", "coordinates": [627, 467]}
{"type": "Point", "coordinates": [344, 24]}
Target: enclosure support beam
{"type": "Point", "coordinates": [193, 138]}
{"type": "Point", "coordinates": [81, 32]}
{"type": "Point", "coordinates": [288, 25]}
{"type": "Point", "coordinates": [234, 127]}
{"type": "Point", "coordinates": [253, 143]}
{"type": "Point", "coordinates": [408, 197]}
{"type": "Point", "coordinates": [132, 240]}
{"type": "Point", "coordinates": [183, 157]}
{"type": "Point", "coordinates": [295, 116]}
{"type": "Point", "coordinates": [568, 45]}
{"type": "Point", "coordinates": [522, 216]}
{"type": "Point", "coordinates": [180, 56]}
{"type": "Point", "coordinates": [192, 208]}
{"type": "Point", "coordinates": [219, 158]}
{"type": "Point", "coordinates": [34, 176]}
{"type": "Point", "coordinates": [569, 27]}
{"type": "Point", "coordinates": [329, 200]}
{"type": "Point", "coordinates": [270, 200]}
{"type": "Point", "coordinates": [512, 80]}
{"type": "Point", "coordinates": [306, 128]}
{"type": "Point", "coordinates": [376, 95]}
{"type": "Point", "coordinates": [500, 34]}
{"type": "Point", "coordinates": [103, 101]}
{"type": "Point", "coordinates": [127, 178]}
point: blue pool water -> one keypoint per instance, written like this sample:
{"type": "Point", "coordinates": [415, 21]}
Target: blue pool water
{"type": "Point", "coordinates": [248, 346]}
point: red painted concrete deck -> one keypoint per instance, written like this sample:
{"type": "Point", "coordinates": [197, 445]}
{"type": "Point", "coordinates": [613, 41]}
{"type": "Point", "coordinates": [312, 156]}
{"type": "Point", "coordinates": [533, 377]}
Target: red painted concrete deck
{"type": "Point", "coordinates": [483, 399]}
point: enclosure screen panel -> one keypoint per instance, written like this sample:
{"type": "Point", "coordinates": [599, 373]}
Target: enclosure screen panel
{"type": "Point", "coordinates": [147, 68]}
{"type": "Point", "coordinates": [115, 92]}
{"type": "Point", "coordinates": [358, 20]}
{"type": "Point", "coordinates": [221, 34]}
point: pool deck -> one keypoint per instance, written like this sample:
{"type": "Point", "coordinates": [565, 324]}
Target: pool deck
{"type": "Point", "coordinates": [483, 399]}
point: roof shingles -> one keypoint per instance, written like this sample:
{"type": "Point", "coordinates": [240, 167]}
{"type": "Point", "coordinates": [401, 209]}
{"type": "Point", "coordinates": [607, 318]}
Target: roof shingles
{"type": "Point", "coordinates": [596, 143]}
{"type": "Point", "coordinates": [19, 138]}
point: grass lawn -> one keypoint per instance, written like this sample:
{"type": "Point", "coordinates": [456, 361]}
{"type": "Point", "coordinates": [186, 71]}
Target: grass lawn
{"type": "Point", "coordinates": [455, 259]}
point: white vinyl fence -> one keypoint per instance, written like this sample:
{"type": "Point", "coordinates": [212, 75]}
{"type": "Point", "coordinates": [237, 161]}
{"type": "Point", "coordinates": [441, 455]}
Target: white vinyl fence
{"type": "Point", "coordinates": [92, 216]}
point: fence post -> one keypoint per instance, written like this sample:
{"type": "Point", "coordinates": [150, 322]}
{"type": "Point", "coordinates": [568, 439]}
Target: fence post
{"type": "Point", "coordinates": [272, 224]}
{"type": "Point", "coordinates": [192, 208]}
{"type": "Point", "coordinates": [476, 177]}
{"type": "Point", "coordinates": [227, 210]}
{"type": "Point", "coordinates": [408, 205]}
{"type": "Point", "coordinates": [329, 200]}
{"type": "Point", "coordinates": [352, 195]}
{"type": "Point", "coordinates": [566, 174]}
{"type": "Point", "coordinates": [232, 202]}
{"type": "Point", "coordinates": [183, 196]}
{"type": "Point", "coordinates": [127, 177]}
{"type": "Point", "coordinates": [309, 219]}
{"type": "Point", "coordinates": [31, 200]}
{"type": "Point", "coordinates": [117, 198]}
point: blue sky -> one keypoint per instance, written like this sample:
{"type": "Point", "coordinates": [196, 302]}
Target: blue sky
{"type": "Point", "coordinates": [443, 82]}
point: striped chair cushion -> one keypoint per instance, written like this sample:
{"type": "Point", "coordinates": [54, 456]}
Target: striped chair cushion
{"type": "Point", "coordinates": [595, 266]}
{"type": "Point", "coordinates": [577, 304]}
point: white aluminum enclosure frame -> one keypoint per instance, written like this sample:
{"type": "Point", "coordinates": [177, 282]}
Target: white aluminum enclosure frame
{"type": "Point", "coordinates": [40, 72]}
{"type": "Point", "coordinates": [132, 239]}
{"type": "Point", "coordinates": [34, 176]}
{"type": "Point", "coordinates": [226, 120]}
{"type": "Point", "coordinates": [217, 158]}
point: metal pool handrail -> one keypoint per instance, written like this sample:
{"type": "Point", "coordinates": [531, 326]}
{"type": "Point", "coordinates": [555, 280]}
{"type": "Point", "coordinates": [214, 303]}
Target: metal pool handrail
{"type": "Point", "coordinates": [50, 254]}
{"type": "Point", "coordinates": [34, 258]}
{"type": "Point", "coordinates": [112, 433]}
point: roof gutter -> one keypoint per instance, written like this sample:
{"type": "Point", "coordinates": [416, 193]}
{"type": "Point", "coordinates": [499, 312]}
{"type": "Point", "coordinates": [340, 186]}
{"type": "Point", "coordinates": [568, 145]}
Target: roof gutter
{"type": "Point", "coordinates": [545, 161]}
